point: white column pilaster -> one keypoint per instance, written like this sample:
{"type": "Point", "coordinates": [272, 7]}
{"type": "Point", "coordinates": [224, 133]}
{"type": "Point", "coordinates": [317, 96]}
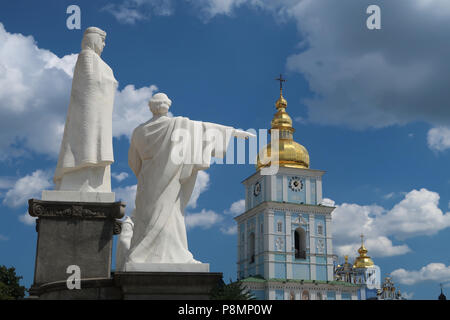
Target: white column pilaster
{"type": "Point", "coordinates": [288, 242]}
{"type": "Point", "coordinates": [319, 190]}
{"type": "Point", "coordinates": [308, 190]}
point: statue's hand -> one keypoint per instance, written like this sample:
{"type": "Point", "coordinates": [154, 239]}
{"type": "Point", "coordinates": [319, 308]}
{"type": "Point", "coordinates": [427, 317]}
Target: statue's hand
{"type": "Point", "coordinates": [243, 134]}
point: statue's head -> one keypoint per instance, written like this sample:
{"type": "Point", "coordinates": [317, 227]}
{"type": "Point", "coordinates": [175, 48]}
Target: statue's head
{"type": "Point", "coordinates": [94, 39]}
{"type": "Point", "coordinates": [159, 104]}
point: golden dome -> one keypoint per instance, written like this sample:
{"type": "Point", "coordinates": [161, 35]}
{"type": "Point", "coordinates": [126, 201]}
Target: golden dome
{"type": "Point", "coordinates": [363, 261]}
{"type": "Point", "coordinates": [290, 153]}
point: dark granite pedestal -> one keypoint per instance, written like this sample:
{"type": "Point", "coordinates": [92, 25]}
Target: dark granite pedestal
{"type": "Point", "coordinates": [73, 233]}
{"type": "Point", "coordinates": [167, 285]}
{"type": "Point", "coordinates": [81, 234]}
{"type": "Point", "coordinates": [136, 286]}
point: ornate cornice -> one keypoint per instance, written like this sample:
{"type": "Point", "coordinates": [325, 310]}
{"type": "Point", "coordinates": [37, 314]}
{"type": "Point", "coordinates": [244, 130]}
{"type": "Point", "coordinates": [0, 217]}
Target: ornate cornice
{"type": "Point", "coordinates": [84, 210]}
{"type": "Point", "coordinates": [283, 206]}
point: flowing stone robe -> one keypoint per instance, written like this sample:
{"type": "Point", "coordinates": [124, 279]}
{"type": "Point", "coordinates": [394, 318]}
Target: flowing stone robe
{"type": "Point", "coordinates": [165, 186]}
{"type": "Point", "coordinates": [86, 150]}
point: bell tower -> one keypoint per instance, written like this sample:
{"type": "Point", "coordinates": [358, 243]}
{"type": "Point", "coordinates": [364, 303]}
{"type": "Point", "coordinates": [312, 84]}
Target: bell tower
{"type": "Point", "coordinates": [285, 232]}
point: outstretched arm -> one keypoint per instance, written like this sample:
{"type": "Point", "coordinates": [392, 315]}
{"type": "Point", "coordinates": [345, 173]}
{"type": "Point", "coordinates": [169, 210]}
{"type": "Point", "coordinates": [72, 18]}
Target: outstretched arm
{"type": "Point", "coordinates": [243, 134]}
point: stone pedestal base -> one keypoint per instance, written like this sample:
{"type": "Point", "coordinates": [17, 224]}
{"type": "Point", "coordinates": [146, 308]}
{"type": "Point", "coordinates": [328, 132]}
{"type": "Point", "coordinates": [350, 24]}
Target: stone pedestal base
{"type": "Point", "coordinates": [166, 285]}
{"type": "Point", "coordinates": [74, 234]}
{"type": "Point", "coordinates": [78, 196]}
{"type": "Point", "coordinates": [167, 267]}
{"type": "Point", "coordinates": [135, 286]}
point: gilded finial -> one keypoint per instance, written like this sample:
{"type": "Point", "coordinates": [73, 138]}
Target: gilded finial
{"type": "Point", "coordinates": [281, 102]}
{"type": "Point", "coordinates": [289, 153]}
{"type": "Point", "coordinates": [363, 261]}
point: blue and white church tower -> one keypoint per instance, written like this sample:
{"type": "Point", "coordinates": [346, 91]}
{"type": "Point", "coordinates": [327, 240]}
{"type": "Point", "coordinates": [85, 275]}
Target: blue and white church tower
{"type": "Point", "coordinates": [285, 248]}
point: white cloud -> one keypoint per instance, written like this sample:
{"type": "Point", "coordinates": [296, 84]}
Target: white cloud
{"type": "Point", "coordinates": [3, 238]}
{"type": "Point", "coordinates": [231, 230]}
{"type": "Point", "coordinates": [201, 185]}
{"type": "Point", "coordinates": [407, 295]}
{"type": "Point", "coordinates": [119, 176]}
{"type": "Point", "coordinates": [27, 219]}
{"type": "Point", "coordinates": [204, 219]}
{"type": "Point", "coordinates": [7, 182]}
{"type": "Point", "coordinates": [389, 195]}
{"type": "Point", "coordinates": [35, 89]}
{"type": "Point", "coordinates": [416, 214]}
{"type": "Point", "coordinates": [132, 11]}
{"type": "Point", "coordinates": [439, 138]}
{"type": "Point", "coordinates": [27, 187]}
{"type": "Point", "coordinates": [364, 78]}
{"type": "Point", "coordinates": [34, 92]}
{"type": "Point", "coordinates": [437, 272]}
{"type": "Point", "coordinates": [128, 195]}
{"type": "Point", "coordinates": [131, 109]}
{"type": "Point", "coordinates": [236, 208]}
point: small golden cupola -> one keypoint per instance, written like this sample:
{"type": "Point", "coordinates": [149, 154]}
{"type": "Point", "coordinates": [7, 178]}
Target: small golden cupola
{"type": "Point", "coordinates": [290, 153]}
{"type": "Point", "coordinates": [363, 261]}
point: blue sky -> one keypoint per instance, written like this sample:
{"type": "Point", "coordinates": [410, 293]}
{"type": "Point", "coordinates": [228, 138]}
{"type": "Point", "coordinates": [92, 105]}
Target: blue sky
{"type": "Point", "coordinates": [371, 107]}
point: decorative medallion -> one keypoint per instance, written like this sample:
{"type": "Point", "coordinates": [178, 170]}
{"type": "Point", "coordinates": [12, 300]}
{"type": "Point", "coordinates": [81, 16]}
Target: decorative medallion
{"type": "Point", "coordinates": [279, 244]}
{"type": "Point", "coordinates": [320, 246]}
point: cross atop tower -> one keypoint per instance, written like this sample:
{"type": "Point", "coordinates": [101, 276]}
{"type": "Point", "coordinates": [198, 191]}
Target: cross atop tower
{"type": "Point", "coordinates": [281, 82]}
{"type": "Point", "coordinates": [362, 238]}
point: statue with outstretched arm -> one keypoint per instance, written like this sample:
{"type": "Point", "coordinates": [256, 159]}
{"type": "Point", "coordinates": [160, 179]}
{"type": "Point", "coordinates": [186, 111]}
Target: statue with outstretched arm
{"type": "Point", "coordinates": [166, 154]}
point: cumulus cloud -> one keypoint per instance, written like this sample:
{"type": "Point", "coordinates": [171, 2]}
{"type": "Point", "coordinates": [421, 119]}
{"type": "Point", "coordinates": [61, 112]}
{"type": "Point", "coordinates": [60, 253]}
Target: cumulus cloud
{"type": "Point", "coordinates": [204, 219]}
{"type": "Point", "coordinates": [119, 176]}
{"type": "Point", "coordinates": [35, 89]}
{"type": "Point", "coordinates": [128, 195]}
{"type": "Point", "coordinates": [132, 11]}
{"type": "Point", "coordinates": [439, 138]}
{"type": "Point", "coordinates": [364, 78]}
{"type": "Point", "coordinates": [231, 230]}
{"type": "Point", "coordinates": [34, 92]}
{"type": "Point", "coordinates": [7, 182]}
{"type": "Point", "coordinates": [437, 272]}
{"type": "Point", "coordinates": [131, 109]}
{"type": "Point", "coordinates": [236, 208]}
{"type": "Point", "coordinates": [407, 295]}
{"type": "Point", "coordinates": [416, 214]}
{"type": "Point", "coordinates": [27, 219]}
{"type": "Point", "coordinates": [27, 187]}
{"type": "Point", "coordinates": [201, 185]}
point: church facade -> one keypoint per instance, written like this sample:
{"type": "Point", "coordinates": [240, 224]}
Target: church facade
{"type": "Point", "coordinates": [285, 247]}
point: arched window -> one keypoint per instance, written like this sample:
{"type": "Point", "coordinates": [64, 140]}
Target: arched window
{"type": "Point", "coordinates": [300, 243]}
{"type": "Point", "coordinates": [251, 247]}
{"type": "Point", "coordinates": [292, 295]}
{"type": "Point", "coordinates": [305, 295]}
{"type": "Point", "coordinates": [320, 229]}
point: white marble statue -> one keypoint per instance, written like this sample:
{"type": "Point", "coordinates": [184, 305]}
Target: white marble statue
{"type": "Point", "coordinates": [86, 150]}
{"type": "Point", "coordinates": [166, 154]}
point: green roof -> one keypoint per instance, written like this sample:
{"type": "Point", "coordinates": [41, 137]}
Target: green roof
{"type": "Point", "coordinates": [334, 283]}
